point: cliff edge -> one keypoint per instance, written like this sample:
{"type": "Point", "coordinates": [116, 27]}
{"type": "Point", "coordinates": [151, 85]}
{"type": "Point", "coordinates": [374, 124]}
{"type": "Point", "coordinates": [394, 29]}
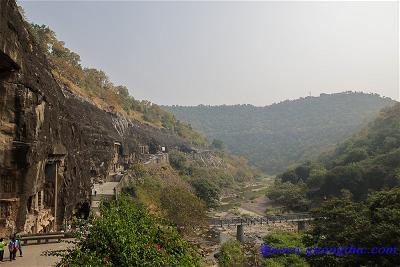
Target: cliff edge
{"type": "Point", "coordinates": [53, 143]}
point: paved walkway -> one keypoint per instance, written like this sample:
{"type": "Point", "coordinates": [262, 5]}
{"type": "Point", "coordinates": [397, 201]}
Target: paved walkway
{"type": "Point", "coordinates": [32, 256]}
{"type": "Point", "coordinates": [105, 189]}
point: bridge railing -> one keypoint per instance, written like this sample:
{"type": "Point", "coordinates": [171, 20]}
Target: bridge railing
{"type": "Point", "coordinates": [293, 217]}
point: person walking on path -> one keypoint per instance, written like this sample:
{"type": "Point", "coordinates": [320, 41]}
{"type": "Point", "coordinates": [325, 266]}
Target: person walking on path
{"type": "Point", "coordinates": [12, 247]}
{"type": "Point", "coordinates": [2, 246]}
{"type": "Point", "coordinates": [18, 239]}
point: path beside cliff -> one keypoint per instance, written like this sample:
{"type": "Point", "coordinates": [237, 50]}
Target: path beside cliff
{"type": "Point", "coordinates": [32, 256]}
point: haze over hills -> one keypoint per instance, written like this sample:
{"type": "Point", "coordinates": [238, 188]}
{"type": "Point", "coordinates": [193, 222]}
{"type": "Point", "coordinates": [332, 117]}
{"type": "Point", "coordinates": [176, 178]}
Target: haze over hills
{"type": "Point", "coordinates": [357, 185]}
{"type": "Point", "coordinates": [368, 161]}
{"type": "Point", "coordinates": [277, 136]}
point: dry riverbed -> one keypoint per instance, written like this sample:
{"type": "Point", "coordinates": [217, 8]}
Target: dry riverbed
{"type": "Point", "coordinates": [250, 200]}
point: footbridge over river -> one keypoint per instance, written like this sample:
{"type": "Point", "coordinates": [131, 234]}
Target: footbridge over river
{"type": "Point", "coordinates": [300, 218]}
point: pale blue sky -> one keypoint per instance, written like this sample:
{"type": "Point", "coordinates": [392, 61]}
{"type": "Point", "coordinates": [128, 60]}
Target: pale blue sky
{"type": "Point", "coordinates": [192, 53]}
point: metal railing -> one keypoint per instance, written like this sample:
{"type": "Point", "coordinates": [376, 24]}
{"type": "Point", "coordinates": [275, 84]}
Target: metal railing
{"type": "Point", "coordinates": [42, 238]}
{"type": "Point", "coordinates": [292, 217]}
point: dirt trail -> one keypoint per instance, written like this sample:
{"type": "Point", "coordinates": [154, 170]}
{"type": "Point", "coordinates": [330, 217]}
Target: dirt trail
{"type": "Point", "coordinates": [256, 206]}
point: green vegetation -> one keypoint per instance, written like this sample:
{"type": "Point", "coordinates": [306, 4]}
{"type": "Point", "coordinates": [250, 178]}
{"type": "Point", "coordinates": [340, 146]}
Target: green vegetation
{"type": "Point", "coordinates": [356, 196]}
{"type": "Point", "coordinates": [232, 254]}
{"type": "Point", "coordinates": [182, 207]}
{"type": "Point", "coordinates": [95, 86]}
{"type": "Point", "coordinates": [165, 194]}
{"type": "Point", "coordinates": [218, 144]}
{"type": "Point", "coordinates": [367, 162]}
{"type": "Point", "coordinates": [292, 196]}
{"type": "Point", "coordinates": [282, 239]}
{"type": "Point", "coordinates": [212, 173]}
{"type": "Point", "coordinates": [207, 191]}
{"type": "Point", "coordinates": [179, 161]}
{"type": "Point", "coordinates": [344, 223]}
{"type": "Point", "coordinates": [291, 260]}
{"type": "Point", "coordinates": [126, 235]}
{"type": "Point", "coordinates": [277, 136]}
{"type": "Point", "coordinates": [367, 224]}
{"type": "Point", "coordinates": [182, 193]}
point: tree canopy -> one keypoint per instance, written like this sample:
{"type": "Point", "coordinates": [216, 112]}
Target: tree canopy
{"type": "Point", "coordinates": [366, 162]}
{"type": "Point", "coordinates": [126, 235]}
{"type": "Point", "coordinates": [276, 136]}
{"type": "Point", "coordinates": [369, 224]}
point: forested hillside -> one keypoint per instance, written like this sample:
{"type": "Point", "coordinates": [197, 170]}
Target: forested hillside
{"type": "Point", "coordinates": [357, 186]}
{"type": "Point", "coordinates": [369, 161]}
{"type": "Point", "coordinates": [279, 135]}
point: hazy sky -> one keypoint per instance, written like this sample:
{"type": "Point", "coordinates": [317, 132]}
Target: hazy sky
{"type": "Point", "coordinates": [191, 53]}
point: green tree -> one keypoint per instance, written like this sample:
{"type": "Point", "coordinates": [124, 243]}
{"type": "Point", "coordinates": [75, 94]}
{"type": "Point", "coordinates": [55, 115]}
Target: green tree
{"type": "Point", "coordinates": [292, 196]}
{"type": "Point", "coordinates": [178, 160]}
{"type": "Point", "coordinates": [369, 224]}
{"type": "Point", "coordinates": [277, 136]}
{"type": "Point", "coordinates": [183, 208]}
{"type": "Point", "coordinates": [138, 169]}
{"type": "Point", "coordinates": [126, 235]}
{"type": "Point", "coordinates": [218, 144]}
{"type": "Point", "coordinates": [207, 191]}
{"type": "Point", "coordinates": [350, 177]}
{"type": "Point", "coordinates": [356, 155]}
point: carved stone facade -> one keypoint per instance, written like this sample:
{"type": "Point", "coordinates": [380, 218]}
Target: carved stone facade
{"type": "Point", "coordinates": [8, 215]}
{"type": "Point", "coordinates": [53, 144]}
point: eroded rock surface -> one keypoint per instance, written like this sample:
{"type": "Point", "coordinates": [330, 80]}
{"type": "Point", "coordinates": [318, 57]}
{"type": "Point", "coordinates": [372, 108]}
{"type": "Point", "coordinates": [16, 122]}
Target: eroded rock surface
{"type": "Point", "coordinates": [53, 144]}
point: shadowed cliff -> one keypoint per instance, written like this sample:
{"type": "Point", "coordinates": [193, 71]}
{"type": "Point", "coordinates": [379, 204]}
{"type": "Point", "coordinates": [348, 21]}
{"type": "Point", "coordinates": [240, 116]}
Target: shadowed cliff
{"type": "Point", "coordinates": [47, 132]}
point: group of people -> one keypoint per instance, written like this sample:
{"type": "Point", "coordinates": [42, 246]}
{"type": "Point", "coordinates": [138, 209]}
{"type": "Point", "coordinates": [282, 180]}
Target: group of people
{"type": "Point", "coordinates": [14, 245]}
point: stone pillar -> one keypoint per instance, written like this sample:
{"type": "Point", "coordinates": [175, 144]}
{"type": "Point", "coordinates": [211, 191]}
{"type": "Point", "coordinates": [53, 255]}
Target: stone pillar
{"type": "Point", "coordinates": [240, 233]}
{"type": "Point", "coordinates": [36, 201]}
{"type": "Point", "coordinates": [301, 226]}
{"type": "Point", "coordinates": [41, 199]}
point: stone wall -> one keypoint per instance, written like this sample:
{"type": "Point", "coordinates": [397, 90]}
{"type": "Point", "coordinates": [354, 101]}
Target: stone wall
{"type": "Point", "coordinates": [52, 141]}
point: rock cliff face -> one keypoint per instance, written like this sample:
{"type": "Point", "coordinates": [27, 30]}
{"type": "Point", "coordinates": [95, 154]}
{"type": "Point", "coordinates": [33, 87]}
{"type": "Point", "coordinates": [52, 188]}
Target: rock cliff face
{"type": "Point", "coordinates": [53, 144]}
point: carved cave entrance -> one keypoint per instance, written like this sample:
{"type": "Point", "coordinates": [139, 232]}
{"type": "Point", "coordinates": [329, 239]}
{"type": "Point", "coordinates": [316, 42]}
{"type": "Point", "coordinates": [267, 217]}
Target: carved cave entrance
{"type": "Point", "coordinates": [50, 196]}
{"type": "Point", "coordinates": [83, 211]}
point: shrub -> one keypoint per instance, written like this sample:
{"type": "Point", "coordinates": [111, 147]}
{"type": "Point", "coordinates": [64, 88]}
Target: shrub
{"type": "Point", "coordinates": [283, 239]}
{"type": "Point", "coordinates": [177, 160]}
{"type": "Point", "coordinates": [231, 255]}
{"type": "Point", "coordinates": [182, 207]}
{"type": "Point", "coordinates": [126, 235]}
{"type": "Point", "coordinates": [207, 191]}
{"type": "Point", "coordinates": [138, 169]}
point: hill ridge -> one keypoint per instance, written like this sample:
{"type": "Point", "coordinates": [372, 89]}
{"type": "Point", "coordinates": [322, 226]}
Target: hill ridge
{"type": "Point", "coordinates": [293, 126]}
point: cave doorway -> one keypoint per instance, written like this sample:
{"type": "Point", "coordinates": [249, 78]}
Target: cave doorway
{"type": "Point", "coordinates": [83, 211]}
{"type": "Point", "coordinates": [153, 148]}
{"type": "Point", "coordinates": [50, 172]}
